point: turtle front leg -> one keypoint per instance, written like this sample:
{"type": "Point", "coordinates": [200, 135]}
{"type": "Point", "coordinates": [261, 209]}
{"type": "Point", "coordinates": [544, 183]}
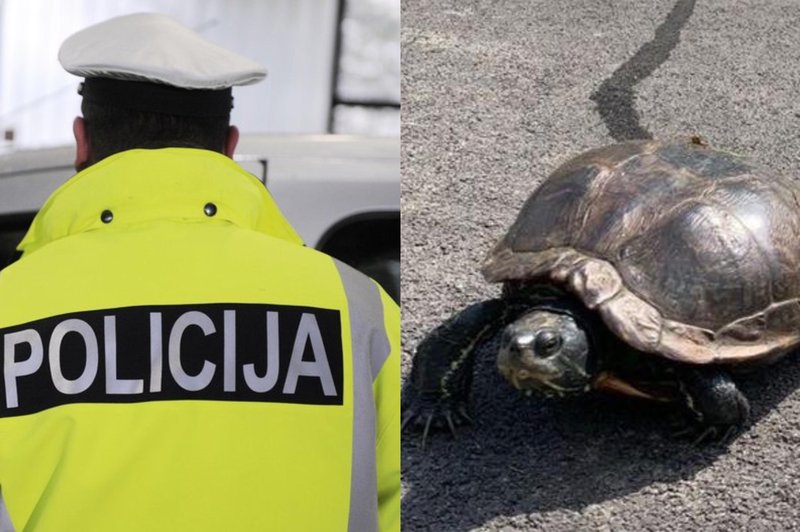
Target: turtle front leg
{"type": "Point", "coordinates": [441, 375]}
{"type": "Point", "coordinates": [715, 401]}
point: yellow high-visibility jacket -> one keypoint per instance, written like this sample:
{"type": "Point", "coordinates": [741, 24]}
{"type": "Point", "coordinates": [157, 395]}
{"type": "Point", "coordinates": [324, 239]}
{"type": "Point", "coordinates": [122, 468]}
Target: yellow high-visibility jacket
{"type": "Point", "coordinates": [175, 359]}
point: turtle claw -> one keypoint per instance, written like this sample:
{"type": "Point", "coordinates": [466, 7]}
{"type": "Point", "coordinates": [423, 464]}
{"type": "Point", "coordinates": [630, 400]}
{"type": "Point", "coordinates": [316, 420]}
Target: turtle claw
{"type": "Point", "coordinates": [462, 411]}
{"type": "Point", "coordinates": [434, 417]}
{"type": "Point", "coordinates": [727, 436]}
{"type": "Point", "coordinates": [449, 418]}
{"type": "Point", "coordinates": [706, 436]}
{"type": "Point", "coordinates": [716, 435]}
{"type": "Point", "coordinates": [425, 431]}
{"type": "Point", "coordinates": [702, 435]}
{"type": "Point", "coordinates": [407, 418]}
{"type": "Point", "coordinates": [682, 432]}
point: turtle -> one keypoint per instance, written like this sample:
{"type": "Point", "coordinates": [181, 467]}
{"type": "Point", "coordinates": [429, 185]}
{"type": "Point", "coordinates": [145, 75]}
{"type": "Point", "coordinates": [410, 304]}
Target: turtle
{"type": "Point", "coordinates": [654, 269]}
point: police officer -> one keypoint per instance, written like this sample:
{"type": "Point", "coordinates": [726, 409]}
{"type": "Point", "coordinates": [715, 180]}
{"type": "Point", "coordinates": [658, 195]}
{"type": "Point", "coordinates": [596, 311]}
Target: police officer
{"type": "Point", "coordinates": [174, 357]}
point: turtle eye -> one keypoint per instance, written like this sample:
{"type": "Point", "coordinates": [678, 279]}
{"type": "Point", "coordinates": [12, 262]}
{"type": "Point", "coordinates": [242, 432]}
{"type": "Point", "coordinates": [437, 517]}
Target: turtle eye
{"type": "Point", "coordinates": [547, 343]}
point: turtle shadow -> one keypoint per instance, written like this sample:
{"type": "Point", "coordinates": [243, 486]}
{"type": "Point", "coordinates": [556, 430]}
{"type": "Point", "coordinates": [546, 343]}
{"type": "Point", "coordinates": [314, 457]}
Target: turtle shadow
{"type": "Point", "coordinates": [527, 456]}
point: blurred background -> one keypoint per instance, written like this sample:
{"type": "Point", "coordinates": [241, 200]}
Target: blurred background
{"type": "Point", "coordinates": [322, 132]}
{"type": "Point", "coordinates": [333, 65]}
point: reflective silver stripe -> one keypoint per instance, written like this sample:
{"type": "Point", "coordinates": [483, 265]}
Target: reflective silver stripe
{"type": "Point", "coordinates": [370, 348]}
{"type": "Point", "coordinates": [5, 519]}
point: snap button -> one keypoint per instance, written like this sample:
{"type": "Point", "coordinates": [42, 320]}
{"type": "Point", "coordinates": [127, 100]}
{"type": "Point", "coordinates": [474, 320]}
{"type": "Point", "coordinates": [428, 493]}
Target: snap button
{"type": "Point", "coordinates": [106, 216]}
{"type": "Point", "coordinates": [210, 209]}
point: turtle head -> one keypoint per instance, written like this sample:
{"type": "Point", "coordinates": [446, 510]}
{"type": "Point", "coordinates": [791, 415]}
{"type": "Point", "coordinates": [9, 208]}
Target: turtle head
{"type": "Point", "coordinates": [546, 351]}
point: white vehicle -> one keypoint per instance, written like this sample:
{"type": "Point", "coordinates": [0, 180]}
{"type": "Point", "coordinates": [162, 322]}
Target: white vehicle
{"type": "Point", "coordinates": [341, 193]}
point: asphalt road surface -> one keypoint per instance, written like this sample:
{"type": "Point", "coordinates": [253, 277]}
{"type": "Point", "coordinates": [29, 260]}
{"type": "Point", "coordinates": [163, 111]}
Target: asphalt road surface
{"type": "Point", "coordinates": [495, 95]}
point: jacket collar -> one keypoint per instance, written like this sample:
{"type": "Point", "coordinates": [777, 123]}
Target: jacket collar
{"type": "Point", "coordinates": [139, 186]}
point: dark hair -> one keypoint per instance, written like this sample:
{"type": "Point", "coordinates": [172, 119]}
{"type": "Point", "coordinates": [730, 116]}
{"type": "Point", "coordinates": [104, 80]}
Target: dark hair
{"type": "Point", "coordinates": [111, 129]}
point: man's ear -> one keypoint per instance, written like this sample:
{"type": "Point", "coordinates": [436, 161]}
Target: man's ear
{"type": "Point", "coordinates": [231, 141]}
{"type": "Point", "coordinates": [82, 148]}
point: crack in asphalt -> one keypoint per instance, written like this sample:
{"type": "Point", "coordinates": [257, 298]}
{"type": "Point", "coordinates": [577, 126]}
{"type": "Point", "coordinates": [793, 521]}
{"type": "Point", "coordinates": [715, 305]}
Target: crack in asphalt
{"type": "Point", "coordinates": [615, 96]}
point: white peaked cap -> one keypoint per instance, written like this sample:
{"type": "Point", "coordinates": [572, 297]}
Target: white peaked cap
{"type": "Point", "coordinates": [153, 47]}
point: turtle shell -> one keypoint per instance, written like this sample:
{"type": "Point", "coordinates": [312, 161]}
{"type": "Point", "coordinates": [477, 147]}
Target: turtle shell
{"type": "Point", "coordinates": [685, 251]}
